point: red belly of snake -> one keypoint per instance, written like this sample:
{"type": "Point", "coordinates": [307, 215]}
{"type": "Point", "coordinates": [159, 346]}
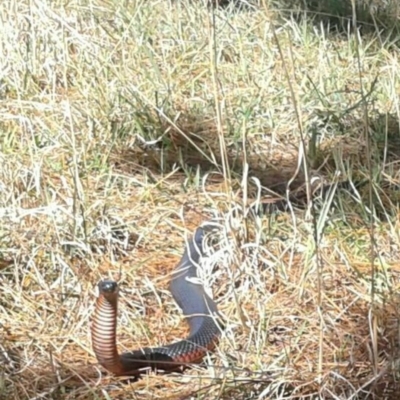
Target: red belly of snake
{"type": "Point", "coordinates": [199, 309]}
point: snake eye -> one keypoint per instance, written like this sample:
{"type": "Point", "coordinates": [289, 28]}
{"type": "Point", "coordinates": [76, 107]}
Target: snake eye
{"type": "Point", "coordinates": [107, 286]}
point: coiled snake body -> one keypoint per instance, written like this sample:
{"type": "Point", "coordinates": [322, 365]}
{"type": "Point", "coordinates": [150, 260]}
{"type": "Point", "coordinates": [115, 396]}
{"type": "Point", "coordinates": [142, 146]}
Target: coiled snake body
{"type": "Point", "coordinates": [199, 309]}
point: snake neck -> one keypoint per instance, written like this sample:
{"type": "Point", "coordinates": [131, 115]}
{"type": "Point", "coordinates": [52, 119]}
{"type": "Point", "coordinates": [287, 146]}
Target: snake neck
{"type": "Point", "coordinates": [104, 331]}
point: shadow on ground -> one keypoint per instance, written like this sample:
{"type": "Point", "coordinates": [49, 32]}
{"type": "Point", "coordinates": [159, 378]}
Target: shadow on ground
{"type": "Point", "coordinates": [373, 16]}
{"type": "Point", "coordinates": [336, 144]}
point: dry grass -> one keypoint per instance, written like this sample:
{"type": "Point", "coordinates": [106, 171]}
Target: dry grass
{"type": "Point", "coordinates": [124, 125]}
